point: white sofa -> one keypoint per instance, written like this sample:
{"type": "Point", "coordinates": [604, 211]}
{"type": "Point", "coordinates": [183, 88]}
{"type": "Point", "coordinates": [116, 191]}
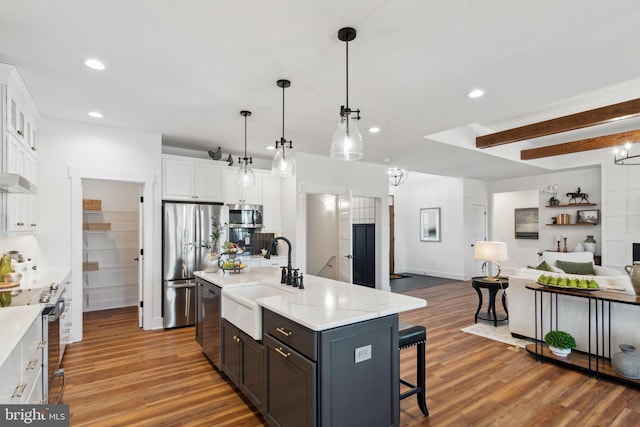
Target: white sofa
{"type": "Point", "coordinates": [573, 312]}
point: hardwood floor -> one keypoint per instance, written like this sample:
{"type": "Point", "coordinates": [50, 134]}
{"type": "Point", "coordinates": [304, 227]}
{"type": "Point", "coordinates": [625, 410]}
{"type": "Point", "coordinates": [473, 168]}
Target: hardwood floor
{"type": "Point", "coordinates": [120, 375]}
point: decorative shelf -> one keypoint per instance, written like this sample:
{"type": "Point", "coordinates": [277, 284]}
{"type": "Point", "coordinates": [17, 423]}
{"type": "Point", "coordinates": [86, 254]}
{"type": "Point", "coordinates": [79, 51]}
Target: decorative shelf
{"type": "Point", "coordinates": [572, 205]}
{"type": "Point", "coordinates": [580, 361]}
{"type": "Point", "coordinates": [572, 225]}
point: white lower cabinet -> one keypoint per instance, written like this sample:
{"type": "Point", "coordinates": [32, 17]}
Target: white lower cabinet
{"type": "Point", "coordinates": [22, 371]}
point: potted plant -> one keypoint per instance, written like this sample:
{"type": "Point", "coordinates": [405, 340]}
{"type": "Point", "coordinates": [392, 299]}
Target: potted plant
{"type": "Point", "coordinates": [210, 261]}
{"type": "Point", "coordinates": [560, 343]}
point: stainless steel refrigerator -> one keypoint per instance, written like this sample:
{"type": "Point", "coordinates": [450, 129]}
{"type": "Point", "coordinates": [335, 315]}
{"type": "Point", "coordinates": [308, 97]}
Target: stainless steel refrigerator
{"type": "Point", "coordinates": [186, 231]}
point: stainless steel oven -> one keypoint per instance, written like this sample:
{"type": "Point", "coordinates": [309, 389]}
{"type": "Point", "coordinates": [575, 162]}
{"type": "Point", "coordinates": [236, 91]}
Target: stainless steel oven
{"type": "Point", "coordinates": [55, 373]}
{"type": "Point", "coordinates": [245, 216]}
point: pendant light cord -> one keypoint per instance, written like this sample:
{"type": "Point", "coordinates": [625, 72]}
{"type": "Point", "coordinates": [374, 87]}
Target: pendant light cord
{"type": "Point", "coordinates": [347, 61]}
{"type": "Point", "coordinates": [282, 141]}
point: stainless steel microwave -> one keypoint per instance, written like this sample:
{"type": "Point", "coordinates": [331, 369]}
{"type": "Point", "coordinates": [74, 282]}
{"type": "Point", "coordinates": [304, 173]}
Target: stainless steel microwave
{"type": "Point", "coordinates": [245, 216]}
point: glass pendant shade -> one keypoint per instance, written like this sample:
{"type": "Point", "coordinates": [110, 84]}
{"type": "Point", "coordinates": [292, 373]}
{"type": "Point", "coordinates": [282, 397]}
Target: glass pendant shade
{"type": "Point", "coordinates": [283, 165]}
{"type": "Point", "coordinates": [397, 176]}
{"type": "Point", "coordinates": [346, 143]}
{"type": "Point", "coordinates": [246, 177]}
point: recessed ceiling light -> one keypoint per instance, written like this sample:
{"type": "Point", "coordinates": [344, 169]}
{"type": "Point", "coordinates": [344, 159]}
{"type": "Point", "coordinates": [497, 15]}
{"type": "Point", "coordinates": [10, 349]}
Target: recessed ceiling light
{"type": "Point", "coordinates": [94, 64]}
{"type": "Point", "coordinates": [476, 93]}
{"type": "Point", "coordinates": [271, 147]}
{"type": "Point", "coordinates": [95, 114]}
{"type": "Point", "coordinates": [374, 129]}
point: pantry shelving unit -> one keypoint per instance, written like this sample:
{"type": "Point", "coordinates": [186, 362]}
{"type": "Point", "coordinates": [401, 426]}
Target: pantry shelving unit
{"type": "Point", "coordinates": [110, 259]}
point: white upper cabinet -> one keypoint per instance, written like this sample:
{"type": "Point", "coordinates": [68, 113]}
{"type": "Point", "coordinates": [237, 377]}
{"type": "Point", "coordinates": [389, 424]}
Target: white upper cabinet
{"type": "Point", "coordinates": [18, 133]}
{"type": "Point", "coordinates": [271, 203]}
{"type": "Point", "coordinates": [197, 180]}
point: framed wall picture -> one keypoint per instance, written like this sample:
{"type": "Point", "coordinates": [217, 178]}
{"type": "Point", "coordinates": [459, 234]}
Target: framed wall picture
{"type": "Point", "coordinates": [590, 216]}
{"type": "Point", "coordinates": [430, 224]}
{"type": "Point", "coordinates": [526, 223]}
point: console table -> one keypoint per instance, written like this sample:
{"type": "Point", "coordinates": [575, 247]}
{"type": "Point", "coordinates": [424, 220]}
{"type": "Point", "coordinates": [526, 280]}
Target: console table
{"type": "Point", "coordinates": [493, 286]}
{"type": "Point", "coordinates": [590, 361]}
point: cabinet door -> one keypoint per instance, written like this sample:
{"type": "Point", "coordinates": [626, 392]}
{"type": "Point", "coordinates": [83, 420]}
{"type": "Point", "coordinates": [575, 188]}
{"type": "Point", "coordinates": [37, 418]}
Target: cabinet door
{"type": "Point", "coordinates": [291, 385]}
{"type": "Point", "coordinates": [17, 157]}
{"type": "Point", "coordinates": [253, 375]}
{"type": "Point", "coordinates": [178, 179]}
{"type": "Point", "coordinates": [17, 212]}
{"type": "Point", "coordinates": [271, 203]}
{"type": "Point", "coordinates": [231, 351]}
{"type": "Point", "coordinates": [11, 372]}
{"type": "Point", "coordinates": [209, 180]}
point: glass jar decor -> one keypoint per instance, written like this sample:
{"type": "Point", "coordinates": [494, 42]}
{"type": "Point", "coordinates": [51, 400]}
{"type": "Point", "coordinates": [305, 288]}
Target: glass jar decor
{"type": "Point", "coordinates": [210, 262]}
{"type": "Point", "coordinates": [590, 244]}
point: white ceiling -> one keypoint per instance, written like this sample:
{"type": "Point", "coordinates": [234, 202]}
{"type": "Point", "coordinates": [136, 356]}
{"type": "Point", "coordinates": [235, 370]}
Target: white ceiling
{"type": "Point", "coordinates": [185, 69]}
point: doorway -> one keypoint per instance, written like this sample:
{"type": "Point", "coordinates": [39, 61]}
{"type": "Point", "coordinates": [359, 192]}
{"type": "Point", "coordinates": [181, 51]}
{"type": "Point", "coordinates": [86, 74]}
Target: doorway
{"type": "Point", "coordinates": [478, 231]}
{"type": "Point", "coordinates": [363, 213]}
{"type": "Point", "coordinates": [111, 244]}
{"type": "Point", "coordinates": [149, 313]}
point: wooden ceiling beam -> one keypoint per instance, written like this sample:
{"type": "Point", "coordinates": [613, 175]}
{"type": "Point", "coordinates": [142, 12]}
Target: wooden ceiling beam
{"type": "Point", "coordinates": [605, 141]}
{"type": "Point", "coordinates": [598, 116]}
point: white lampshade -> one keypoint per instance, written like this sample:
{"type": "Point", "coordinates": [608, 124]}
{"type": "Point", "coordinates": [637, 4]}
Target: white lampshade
{"type": "Point", "coordinates": [490, 251]}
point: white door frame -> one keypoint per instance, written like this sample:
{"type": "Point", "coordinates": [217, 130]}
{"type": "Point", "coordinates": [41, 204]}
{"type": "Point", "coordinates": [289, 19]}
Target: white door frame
{"type": "Point", "coordinates": [382, 229]}
{"type": "Point", "coordinates": [147, 179]}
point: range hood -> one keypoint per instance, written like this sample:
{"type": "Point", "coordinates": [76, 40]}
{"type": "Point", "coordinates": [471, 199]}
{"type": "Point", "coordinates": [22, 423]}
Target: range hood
{"type": "Point", "coordinates": [14, 183]}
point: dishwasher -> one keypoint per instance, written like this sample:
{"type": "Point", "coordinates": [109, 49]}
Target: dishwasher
{"type": "Point", "coordinates": [209, 298]}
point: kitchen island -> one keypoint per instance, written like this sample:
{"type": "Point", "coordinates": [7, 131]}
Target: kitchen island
{"type": "Point", "coordinates": [327, 354]}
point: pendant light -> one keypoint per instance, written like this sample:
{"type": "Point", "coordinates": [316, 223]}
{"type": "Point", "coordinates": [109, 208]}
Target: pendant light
{"type": "Point", "coordinates": [397, 176]}
{"type": "Point", "coordinates": [282, 165]}
{"type": "Point", "coordinates": [246, 177]}
{"type": "Point", "coordinates": [346, 143]}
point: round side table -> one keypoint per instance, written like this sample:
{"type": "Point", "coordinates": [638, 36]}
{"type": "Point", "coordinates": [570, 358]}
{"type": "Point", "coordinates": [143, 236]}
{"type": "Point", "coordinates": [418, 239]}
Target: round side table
{"type": "Point", "coordinates": [493, 286]}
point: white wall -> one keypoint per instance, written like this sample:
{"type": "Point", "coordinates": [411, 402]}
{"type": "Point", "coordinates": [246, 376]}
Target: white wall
{"type": "Point", "coordinates": [108, 152]}
{"type": "Point", "coordinates": [444, 258]}
{"type": "Point", "coordinates": [521, 252]}
{"type": "Point", "coordinates": [620, 213]}
{"type": "Point", "coordinates": [322, 216]}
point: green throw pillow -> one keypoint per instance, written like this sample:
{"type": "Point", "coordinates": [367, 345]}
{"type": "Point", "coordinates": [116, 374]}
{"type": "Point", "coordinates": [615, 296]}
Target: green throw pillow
{"type": "Point", "coordinates": [543, 266]}
{"type": "Point", "coordinates": [576, 267]}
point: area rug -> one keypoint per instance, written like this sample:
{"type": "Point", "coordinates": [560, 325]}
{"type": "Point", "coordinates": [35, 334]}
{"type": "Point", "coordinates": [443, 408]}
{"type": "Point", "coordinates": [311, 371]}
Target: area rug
{"type": "Point", "coordinates": [410, 281]}
{"type": "Point", "coordinates": [500, 333]}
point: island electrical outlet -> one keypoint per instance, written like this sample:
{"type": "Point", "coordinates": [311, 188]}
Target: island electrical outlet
{"type": "Point", "coordinates": [363, 353]}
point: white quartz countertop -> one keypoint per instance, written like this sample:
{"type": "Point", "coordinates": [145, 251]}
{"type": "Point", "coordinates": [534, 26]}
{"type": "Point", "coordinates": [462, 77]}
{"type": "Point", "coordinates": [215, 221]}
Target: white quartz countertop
{"type": "Point", "coordinates": [15, 321]}
{"type": "Point", "coordinates": [324, 303]}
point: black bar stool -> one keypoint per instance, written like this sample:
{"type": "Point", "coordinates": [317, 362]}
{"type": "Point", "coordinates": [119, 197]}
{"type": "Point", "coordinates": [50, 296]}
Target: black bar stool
{"type": "Point", "coordinates": [408, 336]}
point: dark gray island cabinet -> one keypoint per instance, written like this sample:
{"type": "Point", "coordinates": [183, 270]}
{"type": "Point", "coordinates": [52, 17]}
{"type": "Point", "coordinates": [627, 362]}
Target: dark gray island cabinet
{"type": "Point", "coordinates": [243, 362]}
{"type": "Point", "coordinates": [328, 355]}
{"type": "Point", "coordinates": [345, 376]}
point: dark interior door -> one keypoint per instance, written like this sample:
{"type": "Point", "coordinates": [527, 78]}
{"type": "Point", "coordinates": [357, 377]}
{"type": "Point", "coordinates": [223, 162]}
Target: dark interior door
{"type": "Point", "coordinates": [364, 254]}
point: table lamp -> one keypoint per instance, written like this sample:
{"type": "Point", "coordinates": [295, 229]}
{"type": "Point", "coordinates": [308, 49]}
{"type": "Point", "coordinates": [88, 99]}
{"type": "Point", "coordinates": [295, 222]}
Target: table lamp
{"type": "Point", "coordinates": [490, 252]}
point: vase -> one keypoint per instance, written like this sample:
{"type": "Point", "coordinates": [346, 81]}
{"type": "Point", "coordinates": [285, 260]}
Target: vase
{"type": "Point", "coordinates": [562, 352]}
{"type": "Point", "coordinates": [590, 244]}
{"type": "Point", "coordinates": [579, 247]}
{"type": "Point", "coordinates": [210, 262]}
{"type": "Point", "coordinates": [627, 362]}
{"type": "Point", "coordinates": [634, 274]}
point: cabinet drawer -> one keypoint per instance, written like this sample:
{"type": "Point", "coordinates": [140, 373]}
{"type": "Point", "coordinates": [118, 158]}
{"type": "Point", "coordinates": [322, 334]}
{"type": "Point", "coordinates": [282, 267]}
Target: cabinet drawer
{"type": "Point", "coordinates": [294, 335]}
